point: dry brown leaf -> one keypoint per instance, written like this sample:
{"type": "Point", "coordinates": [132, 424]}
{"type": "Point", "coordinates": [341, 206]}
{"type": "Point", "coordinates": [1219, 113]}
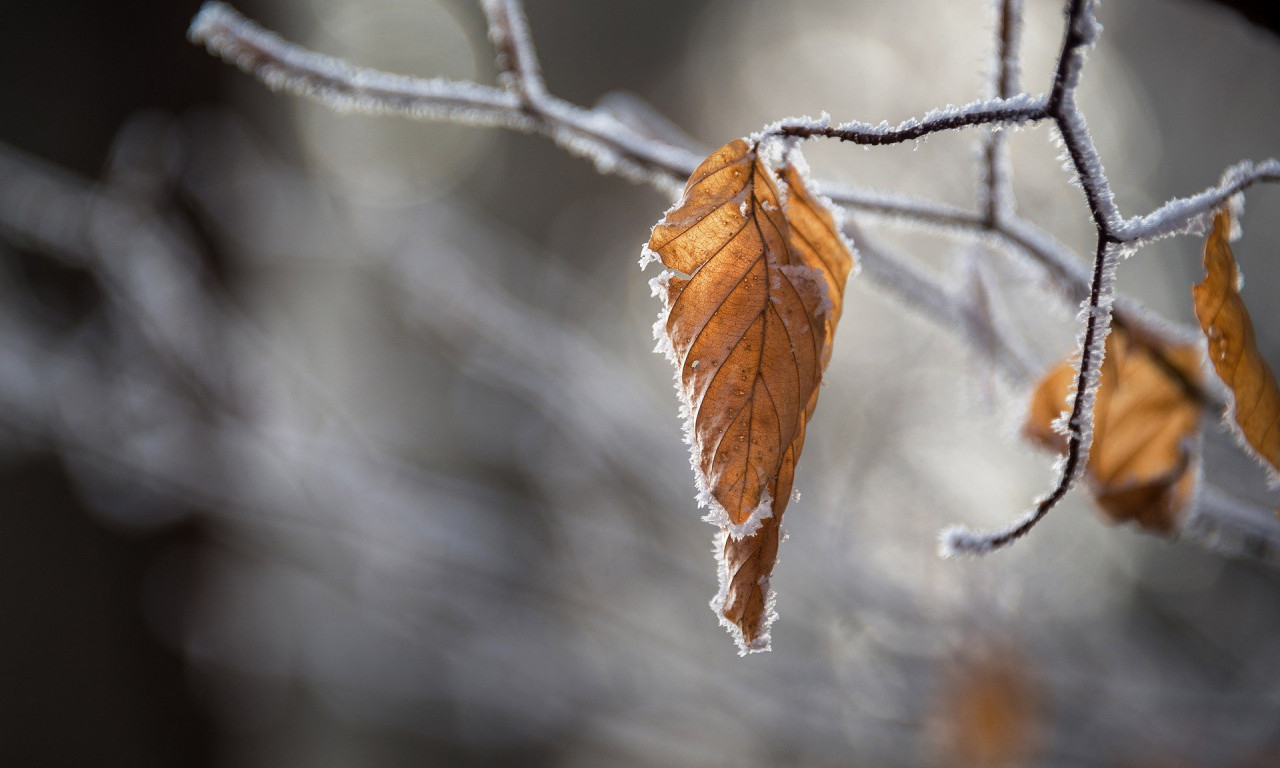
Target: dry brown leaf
{"type": "Point", "coordinates": [1143, 465]}
{"type": "Point", "coordinates": [757, 278]}
{"type": "Point", "coordinates": [1255, 399]}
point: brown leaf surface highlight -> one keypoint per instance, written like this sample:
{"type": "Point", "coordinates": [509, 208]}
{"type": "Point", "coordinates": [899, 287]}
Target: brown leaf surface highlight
{"type": "Point", "coordinates": [1144, 462]}
{"type": "Point", "coordinates": [756, 283]}
{"type": "Point", "coordinates": [1255, 398]}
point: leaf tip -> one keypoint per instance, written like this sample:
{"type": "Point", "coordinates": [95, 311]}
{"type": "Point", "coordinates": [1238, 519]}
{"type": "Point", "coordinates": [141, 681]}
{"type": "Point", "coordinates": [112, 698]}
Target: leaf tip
{"type": "Point", "coordinates": [750, 636]}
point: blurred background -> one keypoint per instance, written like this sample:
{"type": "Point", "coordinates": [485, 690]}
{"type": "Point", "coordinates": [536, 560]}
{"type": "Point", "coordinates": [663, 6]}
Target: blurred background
{"type": "Point", "coordinates": [338, 441]}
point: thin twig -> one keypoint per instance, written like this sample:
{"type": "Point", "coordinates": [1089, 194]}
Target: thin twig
{"type": "Point", "coordinates": [1181, 215]}
{"type": "Point", "coordinates": [280, 65]}
{"type": "Point", "coordinates": [1015, 110]}
{"type": "Point", "coordinates": [1081, 31]}
{"type": "Point", "coordinates": [996, 190]}
{"type": "Point", "coordinates": [958, 540]}
{"type": "Point", "coordinates": [517, 61]}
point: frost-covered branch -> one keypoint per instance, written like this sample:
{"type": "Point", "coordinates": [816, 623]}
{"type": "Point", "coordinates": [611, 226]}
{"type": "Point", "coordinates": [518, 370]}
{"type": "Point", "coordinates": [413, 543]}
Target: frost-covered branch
{"type": "Point", "coordinates": [1015, 110]}
{"type": "Point", "coordinates": [615, 146]}
{"type": "Point", "coordinates": [996, 188]}
{"type": "Point", "coordinates": [959, 540]}
{"type": "Point", "coordinates": [1185, 214]}
{"type": "Point", "coordinates": [610, 144]}
{"type": "Point", "coordinates": [283, 66]}
{"type": "Point", "coordinates": [1082, 29]}
{"type": "Point", "coordinates": [517, 62]}
{"type": "Point", "coordinates": [1114, 236]}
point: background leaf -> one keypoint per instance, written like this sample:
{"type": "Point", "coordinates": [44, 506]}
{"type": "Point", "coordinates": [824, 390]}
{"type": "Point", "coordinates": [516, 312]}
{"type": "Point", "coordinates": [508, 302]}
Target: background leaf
{"type": "Point", "coordinates": [1255, 398]}
{"type": "Point", "coordinates": [990, 712]}
{"type": "Point", "coordinates": [1143, 464]}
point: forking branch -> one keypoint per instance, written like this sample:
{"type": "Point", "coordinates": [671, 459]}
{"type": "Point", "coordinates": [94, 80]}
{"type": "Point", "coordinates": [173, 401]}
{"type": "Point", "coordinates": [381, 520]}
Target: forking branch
{"type": "Point", "coordinates": [614, 146]}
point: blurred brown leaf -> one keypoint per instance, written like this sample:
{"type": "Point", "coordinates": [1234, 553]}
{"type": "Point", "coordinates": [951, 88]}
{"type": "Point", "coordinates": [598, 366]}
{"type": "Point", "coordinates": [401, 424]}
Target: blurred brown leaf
{"type": "Point", "coordinates": [1234, 350]}
{"type": "Point", "coordinates": [1142, 465]}
{"type": "Point", "coordinates": [748, 325]}
{"type": "Point", "coordinates": [989, 712]}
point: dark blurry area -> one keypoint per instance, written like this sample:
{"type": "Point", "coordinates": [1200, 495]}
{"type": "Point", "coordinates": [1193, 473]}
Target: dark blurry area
{"type": "Point", "coordinates": [84, 677]}
{"type": "Point", "coordinates": [1260, 12]}
{"type": "Point", "coordinates": [84, 680]}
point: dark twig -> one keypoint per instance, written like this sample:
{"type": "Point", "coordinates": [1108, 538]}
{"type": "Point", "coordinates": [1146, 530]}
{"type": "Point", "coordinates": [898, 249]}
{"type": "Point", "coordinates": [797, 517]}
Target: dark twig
{"type": "Point", "coordinates": [1081, 30]}
{"type": "Point", "coordinates": [1017, 110]}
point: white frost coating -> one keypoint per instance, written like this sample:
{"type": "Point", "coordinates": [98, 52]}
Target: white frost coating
{"type": "Point", "coordinates": [614, 146]}
{"type": "Point", "coordinates": [1070, 121]}
{"type": "Point", "coordinates": [996, 190]}
{"type": "Point", "coordinates": [1087, 25]}
{"type": "Point", "coordinates": [1088, 166]}
{"type": "Point", "coordinates": [658, 289]}
{"type": "Point", "coordinates": [509, 31]}
{"type": "Point", "coordinates": [1221, 522]}
{"type": "Point", "coordinates": [891, 205]}
{"type": "Point", "coordinates": [1008, 65]}
{"type": "Point", "coordinates": [763, 640]}
{"type": "Point", "coordinates": [648, 256]}
{"type": "Point", "coordinates": [1192, 215]}
{"type": "Point", "coordinates": [957, 541]}
{"type": "Point", "coordinates": [283, 66]}
{"type": "Point", "coordinates": [719, 516]}
{"type": "Point", "coordinates": [935, 118]}
{"type": "Point", "coordinates": [1099, 319]}
{"type": "Point", "coordinates": [800, 275]}
{"type": "Point", "coordinates": [819, 123]}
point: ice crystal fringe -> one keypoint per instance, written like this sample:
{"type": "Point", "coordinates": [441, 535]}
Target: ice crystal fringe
{"type": "Point", "coordinates": [283, 66]}
{"type": "Point", "coordinates": [1191, 215]}
{"type": "Point", "coordinates": [1018, 109]}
